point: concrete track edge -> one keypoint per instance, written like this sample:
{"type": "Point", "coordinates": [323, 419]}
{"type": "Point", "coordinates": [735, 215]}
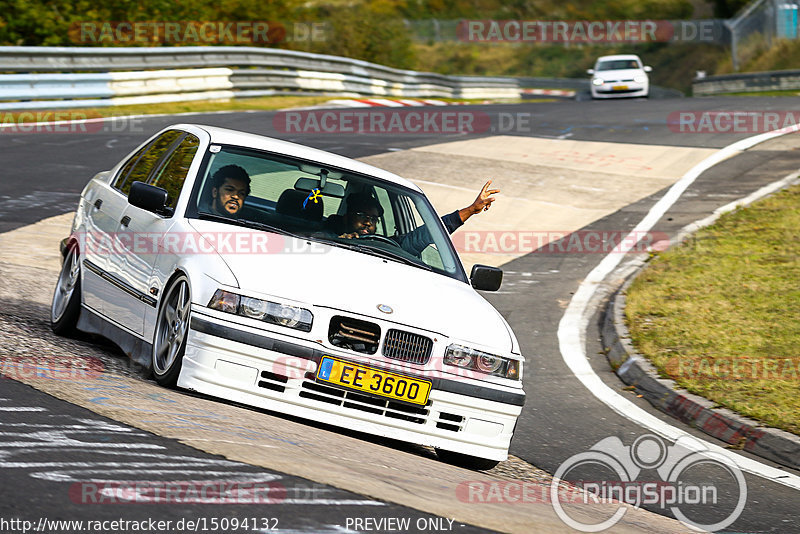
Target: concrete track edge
{"type": "Point", "coordinates": [740, 432]}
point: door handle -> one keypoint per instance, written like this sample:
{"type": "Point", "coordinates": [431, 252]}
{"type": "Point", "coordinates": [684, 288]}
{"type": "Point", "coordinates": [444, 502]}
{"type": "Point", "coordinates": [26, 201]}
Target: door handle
{"type": "Point", "coordinates": [125, 221]}
{"type": "Point", "coordinates": [98, 203]}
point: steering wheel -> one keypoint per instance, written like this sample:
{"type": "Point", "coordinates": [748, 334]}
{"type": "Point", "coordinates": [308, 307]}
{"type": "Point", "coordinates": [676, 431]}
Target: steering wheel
{"type": "Point", "coordinates": [380, 238]}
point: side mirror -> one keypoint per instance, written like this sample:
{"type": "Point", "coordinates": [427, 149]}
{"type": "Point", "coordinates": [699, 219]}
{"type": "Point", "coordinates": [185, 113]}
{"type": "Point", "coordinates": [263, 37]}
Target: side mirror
{"type": "Point", "coordinates": [486, 278]}
{"type": "Point", "coordinates": [648, 68]}
{"type": "Point", "coordinates": [589, 71]}
{"type": "Point", "coordinates": [148, 197]}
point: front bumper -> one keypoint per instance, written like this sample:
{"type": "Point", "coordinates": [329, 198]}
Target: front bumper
{"type": "Point", "coordinates": [614, 90]}
{"type": "Point", "coordinates": [276, 372]}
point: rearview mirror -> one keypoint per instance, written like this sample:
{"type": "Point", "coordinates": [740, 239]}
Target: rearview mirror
{"type": "Point", "coordinates": [309, 184]}
{"type": "Point", "coordinates": [148, 197]}
{"type": "Point", "coordinates": [486, 278]}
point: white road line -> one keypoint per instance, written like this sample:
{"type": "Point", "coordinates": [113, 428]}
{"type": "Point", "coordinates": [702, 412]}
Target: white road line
{"type": "Point", "coordinates": [22, 409]}
{"type": "Point", "coordinates": [573, 325]}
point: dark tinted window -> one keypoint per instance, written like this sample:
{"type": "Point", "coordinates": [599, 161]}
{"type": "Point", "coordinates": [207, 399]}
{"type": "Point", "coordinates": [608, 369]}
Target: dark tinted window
{"type": "Point", "coordinates": [173, 173]}
{"type": "Point", "coordinates": [143, 162]}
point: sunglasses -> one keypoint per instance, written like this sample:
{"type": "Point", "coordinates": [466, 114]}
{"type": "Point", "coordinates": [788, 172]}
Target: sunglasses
{"type": "Point", "coordinates": [363, 217]}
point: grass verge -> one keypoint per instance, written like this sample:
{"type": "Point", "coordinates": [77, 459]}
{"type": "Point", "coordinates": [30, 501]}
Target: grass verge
{"type": "Point", "coordinates": [244, 104]}
{"type": "Point", "coordinates": [720, 313]}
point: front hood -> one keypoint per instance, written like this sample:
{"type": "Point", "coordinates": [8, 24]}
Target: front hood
{"type": "Point", "coordinates": [628, 74]}
{"type": "Point", "coordinates": [357, 283]}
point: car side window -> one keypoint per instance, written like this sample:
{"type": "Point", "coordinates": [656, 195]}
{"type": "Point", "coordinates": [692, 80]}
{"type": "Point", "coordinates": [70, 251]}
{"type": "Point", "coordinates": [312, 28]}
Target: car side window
{"type": "Point", "coordinates": [140, 166]}
{"type": "Point", "coordinates": [173, 173]}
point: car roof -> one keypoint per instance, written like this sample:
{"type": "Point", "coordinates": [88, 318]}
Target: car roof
{"type": "Point", "coordinates": [619, 56]}
{"type": "Point", "coordinates": [270, 144]}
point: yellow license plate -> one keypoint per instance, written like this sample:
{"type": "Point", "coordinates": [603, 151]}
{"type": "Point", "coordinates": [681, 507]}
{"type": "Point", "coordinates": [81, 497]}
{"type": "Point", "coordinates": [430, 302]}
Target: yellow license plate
{"type": "Point", "coordinates": [368, 380]}
{"type": "Point", "coordinates": [620, 88]}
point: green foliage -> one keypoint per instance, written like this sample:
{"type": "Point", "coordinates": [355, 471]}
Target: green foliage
{"type": "Point", "coordinates": [546, 9]}
{"type": "Point", "coordinates": [372, 32]}
{"type": "Point", "coordinates": [674, 65]}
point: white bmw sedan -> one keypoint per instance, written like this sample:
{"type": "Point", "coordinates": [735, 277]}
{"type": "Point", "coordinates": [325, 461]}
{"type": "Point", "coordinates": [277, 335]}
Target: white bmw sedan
{"type": "Point", "coordinates": [295, 280]}
{"type": "Point", "coordinates": [619, 76]}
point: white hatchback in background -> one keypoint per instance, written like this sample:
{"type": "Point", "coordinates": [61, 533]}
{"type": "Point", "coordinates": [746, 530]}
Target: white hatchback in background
{"type": "Point", "coordinates": [384, 334]}
{"type": "Point", "coordinates": [619, 76]}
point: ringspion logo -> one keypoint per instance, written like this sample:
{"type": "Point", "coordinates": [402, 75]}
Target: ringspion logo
{"type": "Point", "coordinates": [611, 472]}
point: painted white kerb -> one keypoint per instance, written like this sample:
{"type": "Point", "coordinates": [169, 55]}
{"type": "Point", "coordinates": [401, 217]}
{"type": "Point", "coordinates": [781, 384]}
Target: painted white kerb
{"type": "Point", "coordinates": [572, 327]}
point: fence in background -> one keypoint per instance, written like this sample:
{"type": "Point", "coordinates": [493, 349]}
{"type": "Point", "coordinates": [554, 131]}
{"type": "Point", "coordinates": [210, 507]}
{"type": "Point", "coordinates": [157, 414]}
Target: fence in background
{"type": "Point", "coordinates": [759, 24]}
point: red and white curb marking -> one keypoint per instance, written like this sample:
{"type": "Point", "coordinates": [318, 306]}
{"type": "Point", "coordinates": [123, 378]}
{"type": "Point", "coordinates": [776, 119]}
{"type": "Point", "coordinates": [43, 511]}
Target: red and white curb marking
{"type": "Point", "coordinates": [390, 103]}
{"type": "Point", "coordinates": [547, 92]}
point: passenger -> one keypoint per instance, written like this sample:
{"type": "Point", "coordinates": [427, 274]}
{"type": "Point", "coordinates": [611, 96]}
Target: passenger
{"type": "Point", "coordinates": [230, 186]}
{"type": "Point", "coordinates": [364, 212]}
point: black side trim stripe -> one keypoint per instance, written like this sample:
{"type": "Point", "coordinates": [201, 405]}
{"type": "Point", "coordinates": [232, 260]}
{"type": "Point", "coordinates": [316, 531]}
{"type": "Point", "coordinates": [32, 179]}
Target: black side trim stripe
{"type": "Point", "coordinates": [119, 284]}
{"type": "Point", "coordinates": [292, 349]}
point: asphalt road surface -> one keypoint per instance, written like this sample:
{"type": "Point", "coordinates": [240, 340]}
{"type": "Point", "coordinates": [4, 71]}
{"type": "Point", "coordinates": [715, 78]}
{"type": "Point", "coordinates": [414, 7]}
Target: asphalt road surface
{"type": "Point", "coordinates": [46, 171]}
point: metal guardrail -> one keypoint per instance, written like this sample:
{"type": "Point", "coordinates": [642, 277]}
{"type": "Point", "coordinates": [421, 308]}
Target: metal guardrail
{"type": "Point", "coordinates": [253, 72]}
{"type": "Point", "coordinates": [753, 82]}
{"type": "Point", "coordinates": [577, 84]}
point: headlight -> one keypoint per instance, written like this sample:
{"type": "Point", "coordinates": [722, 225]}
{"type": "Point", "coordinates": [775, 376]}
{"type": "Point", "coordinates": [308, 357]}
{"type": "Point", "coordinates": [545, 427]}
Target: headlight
{"type": "Point", "coordinates": [482, 362]}
{"type": "Point", "coordinates": [262, 310]}
{"type": "Point", "coordinates": [640, 78]}
{"type": "Point", "coordinates": [597, 81]}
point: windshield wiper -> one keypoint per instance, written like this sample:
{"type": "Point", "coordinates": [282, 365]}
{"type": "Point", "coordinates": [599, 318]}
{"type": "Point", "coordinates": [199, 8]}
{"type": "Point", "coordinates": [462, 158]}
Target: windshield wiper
{"type": "Point", "coordinates": [248, 224]}
{"type": "Point", "coordinates": [358, 247]}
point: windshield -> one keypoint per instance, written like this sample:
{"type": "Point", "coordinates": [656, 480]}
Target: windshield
{"type": "Point", "coordinates": [303, 199]}
{"type": "Point", "coordinates": [618, 64]}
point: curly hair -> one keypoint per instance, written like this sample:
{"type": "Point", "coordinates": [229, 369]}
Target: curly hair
{"type": "Point", "coordinates": [232, 172]}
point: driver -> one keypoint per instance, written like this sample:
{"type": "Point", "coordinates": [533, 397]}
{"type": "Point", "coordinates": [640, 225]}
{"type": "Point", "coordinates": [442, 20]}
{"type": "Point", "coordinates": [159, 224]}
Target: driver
{"type": "Point", "coordinates": [364, 212]}
{"type": "Point", "coordinates": [230, 185]}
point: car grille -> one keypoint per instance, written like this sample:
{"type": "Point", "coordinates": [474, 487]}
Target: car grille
{"type": "Point", "coordinates": [407, 347]}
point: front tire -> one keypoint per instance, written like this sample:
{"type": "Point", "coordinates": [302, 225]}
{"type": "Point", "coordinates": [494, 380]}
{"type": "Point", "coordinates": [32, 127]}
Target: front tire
{"type": "Point", "coordinates": [172, 328]}
{"type": "Point", "coordinates": [466, 461]}
{"type": "Point", "coordinates": [66, 306]}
